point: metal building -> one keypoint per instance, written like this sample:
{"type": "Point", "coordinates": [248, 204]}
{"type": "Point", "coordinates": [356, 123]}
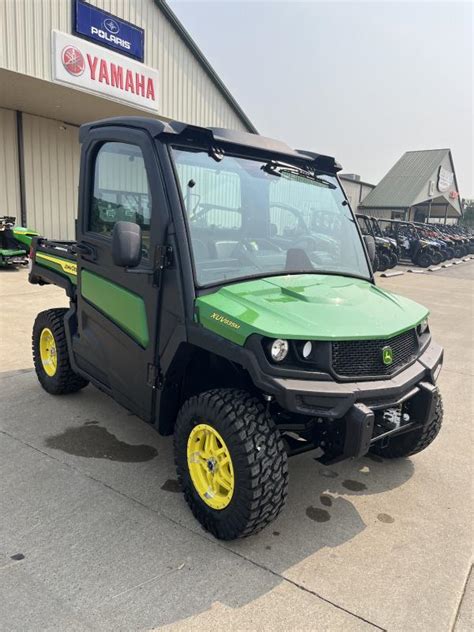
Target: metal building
{"type": "Point", "coordinates": [421, 186]}
{"type": "Point", "coordinates": [65, 62]}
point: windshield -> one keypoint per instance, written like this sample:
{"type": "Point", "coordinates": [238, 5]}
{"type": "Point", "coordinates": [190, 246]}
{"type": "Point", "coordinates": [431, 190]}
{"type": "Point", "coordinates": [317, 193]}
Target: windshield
{"type": "Point", "coordinates": [251, 218]}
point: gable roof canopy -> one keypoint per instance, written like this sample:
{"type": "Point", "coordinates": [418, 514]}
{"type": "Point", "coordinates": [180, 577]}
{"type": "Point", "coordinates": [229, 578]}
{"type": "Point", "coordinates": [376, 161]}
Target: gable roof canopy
{"type": "Point", "coordinates": [419, 178]}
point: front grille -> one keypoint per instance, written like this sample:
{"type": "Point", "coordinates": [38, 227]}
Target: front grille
{"type": "Point", "coordinates": [364, 358]}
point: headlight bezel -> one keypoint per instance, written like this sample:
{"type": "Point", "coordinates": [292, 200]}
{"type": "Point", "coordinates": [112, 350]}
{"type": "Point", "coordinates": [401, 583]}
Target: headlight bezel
{"type": "Point", "coordinates": [423, 327]}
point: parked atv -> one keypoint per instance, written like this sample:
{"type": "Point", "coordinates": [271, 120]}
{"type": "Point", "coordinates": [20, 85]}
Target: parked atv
{"type": "Point", "coordinates": [446, 239]}
{"type": "Point", "coordinates": [15, 243]}
{"type": "Point", "coordinates": [413, 247]}
{"type": "Point", "coordinates": [384, 248]}
{"type": "Point", "coordinates": [430, 236]}
{"type": "Point", "coordinates": [395, 250]}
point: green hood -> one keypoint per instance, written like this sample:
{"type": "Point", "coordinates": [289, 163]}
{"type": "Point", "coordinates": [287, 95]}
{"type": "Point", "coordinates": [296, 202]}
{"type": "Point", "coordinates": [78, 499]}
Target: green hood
{"type": "Point", "coordinates": [307, 307]}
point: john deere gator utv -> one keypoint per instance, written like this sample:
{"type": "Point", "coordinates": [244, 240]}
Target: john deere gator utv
{"type": "Point", "coordinates": [191, 305]}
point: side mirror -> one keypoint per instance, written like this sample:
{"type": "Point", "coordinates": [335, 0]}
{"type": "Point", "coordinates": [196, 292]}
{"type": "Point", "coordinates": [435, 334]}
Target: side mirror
{"type": "Point", "coordinates": [370, 245]}
{"type": "Point", "coordinates": [126, 244]}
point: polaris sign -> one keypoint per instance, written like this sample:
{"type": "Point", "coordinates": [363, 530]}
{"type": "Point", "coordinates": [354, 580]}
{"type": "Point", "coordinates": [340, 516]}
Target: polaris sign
{"type": "Point", "coordinates": [108, 30]}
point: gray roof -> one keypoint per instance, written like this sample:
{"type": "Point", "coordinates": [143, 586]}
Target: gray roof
{"type": "Point", "coordinates": [205, 64]}
{"type": "Point", "coordinates": [403, 184]}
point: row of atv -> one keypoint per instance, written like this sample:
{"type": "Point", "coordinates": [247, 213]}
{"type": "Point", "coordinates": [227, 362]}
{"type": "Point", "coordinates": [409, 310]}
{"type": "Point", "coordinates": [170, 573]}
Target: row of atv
{"type": "Point", "coordinates": [15, 243]}
{"type": "Point", "coordinates": [412, 242]}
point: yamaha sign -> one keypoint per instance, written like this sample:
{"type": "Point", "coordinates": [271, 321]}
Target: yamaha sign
{"type": "Point", "coordinates": [85, 66]}
{"type": "Point", "coordinates": [108, 30]}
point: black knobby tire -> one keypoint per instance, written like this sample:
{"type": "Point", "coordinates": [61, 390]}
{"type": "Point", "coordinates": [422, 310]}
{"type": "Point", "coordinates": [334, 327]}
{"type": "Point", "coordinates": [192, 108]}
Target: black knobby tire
{"type": "Point", "coordinates": [375, 263]}
{"type": "Point", "coordinates": [437, 257]}
{"type": "Point", "coordinates": [64, 380]}
{"type": "Point", "coordinates": [424, 260]}
{"type": "Point", "coordinates": [413, 442]}
{"type": "Point", "coordinates": [384, 262]}
{"type": "Point", "coordinates": [258, 457]}
{"type": "Point", "coordinates": [393, 259]}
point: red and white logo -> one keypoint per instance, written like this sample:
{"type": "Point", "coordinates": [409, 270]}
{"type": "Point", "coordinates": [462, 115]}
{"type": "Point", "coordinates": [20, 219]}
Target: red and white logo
{"type": "Point", "coordinates": [92, 68]}
{"type": "Point", "coordinates": [73, 60]}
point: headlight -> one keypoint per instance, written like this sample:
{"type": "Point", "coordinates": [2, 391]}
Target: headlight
{"type": "Point", "coordinates": [423, 327]}
{"type": "Point", "coordinates": [279, 350]}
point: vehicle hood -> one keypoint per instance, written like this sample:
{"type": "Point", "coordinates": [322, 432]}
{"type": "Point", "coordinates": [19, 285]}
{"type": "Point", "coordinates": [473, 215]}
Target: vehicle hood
{"type": "Point", "coordinates": [308, 307]}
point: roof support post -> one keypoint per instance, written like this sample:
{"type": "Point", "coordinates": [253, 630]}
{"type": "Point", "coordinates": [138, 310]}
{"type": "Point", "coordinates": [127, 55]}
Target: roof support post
{"type": "Point", "coordinates": [446, 213]}
{"type": "Point", "coordinates": [429, 212]}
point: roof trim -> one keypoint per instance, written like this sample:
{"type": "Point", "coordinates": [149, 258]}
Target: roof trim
{"type": "Point", "coordinates": [172, 17]}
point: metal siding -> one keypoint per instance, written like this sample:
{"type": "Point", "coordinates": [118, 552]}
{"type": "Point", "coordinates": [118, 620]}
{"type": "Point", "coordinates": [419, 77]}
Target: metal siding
{"type": "Point", "coordinates": [52, 154]}
{"type": "Point", "coordinates": [186, 90]}
{"type": "Point", "coordinates": [9, 171]}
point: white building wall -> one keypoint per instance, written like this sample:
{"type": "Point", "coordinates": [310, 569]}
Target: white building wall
{"type": "Point", "coordinates": [186, 93]}
{"type": "Point", "coordinates": [355, 191]}
{"type": "Point", "coordinates": [9, 166]}
{"type": "Point", "coordinates": [51, 158]}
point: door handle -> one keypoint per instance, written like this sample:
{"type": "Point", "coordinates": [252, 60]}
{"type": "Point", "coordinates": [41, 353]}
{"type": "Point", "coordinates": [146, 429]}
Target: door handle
{"type": "Point", "coordinates": [85, 249]}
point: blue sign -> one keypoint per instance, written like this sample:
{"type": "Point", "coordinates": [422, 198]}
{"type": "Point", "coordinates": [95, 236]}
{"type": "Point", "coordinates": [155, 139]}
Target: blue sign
{"type": "Point", "coordinates": [108, 30]}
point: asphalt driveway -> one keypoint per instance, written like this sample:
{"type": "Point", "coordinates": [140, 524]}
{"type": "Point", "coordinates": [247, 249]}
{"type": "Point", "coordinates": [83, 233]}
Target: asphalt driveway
{"type": "Point", "coordinates": [94, 534]}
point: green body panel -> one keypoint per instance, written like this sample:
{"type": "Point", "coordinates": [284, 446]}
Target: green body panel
{"type": "Point", "coordinates": [123, 307]}
{"type": "Point", "coordinates": [5, 254]}
{"type": "Point", "coordinates": [58, 264]}
{"type": "Point", "coordinates": [24, 235]}
{"type": "Point", "coordinates": [307, 307]}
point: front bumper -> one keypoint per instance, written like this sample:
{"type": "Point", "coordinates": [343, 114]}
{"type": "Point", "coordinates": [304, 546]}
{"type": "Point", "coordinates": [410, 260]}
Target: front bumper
{"type": "Point", "coordinates": [356, 404]}
{"type": "Point", "coordinates": [333, 400]}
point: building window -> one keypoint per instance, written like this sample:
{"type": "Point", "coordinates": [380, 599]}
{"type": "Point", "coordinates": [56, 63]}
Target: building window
{"type": "Point", "coordinates": [121, 190]}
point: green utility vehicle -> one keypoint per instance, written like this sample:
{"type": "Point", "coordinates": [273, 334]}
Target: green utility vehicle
{"type": "Point", "coordinates": [15, 242]}
{"type": "Point", "coordinates": [196, 302]}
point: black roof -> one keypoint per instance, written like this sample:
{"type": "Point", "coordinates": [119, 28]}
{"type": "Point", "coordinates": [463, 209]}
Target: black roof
{"type": "Point", "coordinates": [156, 127]}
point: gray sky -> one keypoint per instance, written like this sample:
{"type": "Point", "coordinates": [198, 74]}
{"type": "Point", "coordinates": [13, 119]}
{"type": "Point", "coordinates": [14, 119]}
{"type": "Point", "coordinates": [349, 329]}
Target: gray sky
{"type": "Point", "coordinates": [363, 81]}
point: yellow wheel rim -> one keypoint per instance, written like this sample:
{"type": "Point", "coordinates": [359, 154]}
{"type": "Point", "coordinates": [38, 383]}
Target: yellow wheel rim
{"type": "Point", "coordinates": [210, 466]}
{"type": "Point", "coordinates": [47, 347]}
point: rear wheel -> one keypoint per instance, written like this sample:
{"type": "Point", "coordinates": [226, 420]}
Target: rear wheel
{"type": "Point", "coordinates": [51, 355]}
{"type": "Point", "coordinates": [413, 442]}
{"type": "Point", "coordinates": [231, 462]}
{"type": "Point", "coordinates": [375, 263]}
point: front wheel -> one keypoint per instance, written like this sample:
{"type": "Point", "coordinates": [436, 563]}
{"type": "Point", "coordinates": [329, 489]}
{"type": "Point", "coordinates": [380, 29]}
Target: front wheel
{"type": "Point", "coordinates": [413, 442]}
{"type": "Point", "coordinates": [375, 263]}
{"type": "Point", "coordinates": [393, 259]}
{"type": "Point", "coordinates": [437, 257]}
{"type": "Point", "coordinates": [231, 462]}
{"type": "Point", "coordinates": [384, 262]}
{"type": "Point", "coordinates": [424, 259]}
{"type": "Point", "coordinates": [51, 355]}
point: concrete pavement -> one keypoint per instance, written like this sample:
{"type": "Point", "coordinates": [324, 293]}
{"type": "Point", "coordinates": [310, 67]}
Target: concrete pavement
{"type": "Point", "coordinates": [103, 541]}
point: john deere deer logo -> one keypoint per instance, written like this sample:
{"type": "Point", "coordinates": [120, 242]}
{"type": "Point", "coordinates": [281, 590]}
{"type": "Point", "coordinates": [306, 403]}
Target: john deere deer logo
{"type": "Point", "coordinates": [387, 355]}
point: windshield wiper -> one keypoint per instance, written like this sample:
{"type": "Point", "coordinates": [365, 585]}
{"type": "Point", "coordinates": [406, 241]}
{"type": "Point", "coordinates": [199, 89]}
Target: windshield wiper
{"type": "Point", "coordinates": [277, 168]}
